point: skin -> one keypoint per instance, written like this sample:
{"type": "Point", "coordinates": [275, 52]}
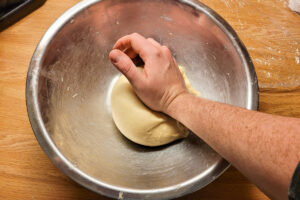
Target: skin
{"type": "Point", "coordinates": [263, 147]}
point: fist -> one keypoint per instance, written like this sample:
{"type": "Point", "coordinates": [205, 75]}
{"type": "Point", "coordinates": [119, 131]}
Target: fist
{"type": "Point", "coordinates": [161, 81]}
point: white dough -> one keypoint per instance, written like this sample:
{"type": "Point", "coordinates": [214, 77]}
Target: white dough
{"type": "Point", "coordinates": [139, 123]}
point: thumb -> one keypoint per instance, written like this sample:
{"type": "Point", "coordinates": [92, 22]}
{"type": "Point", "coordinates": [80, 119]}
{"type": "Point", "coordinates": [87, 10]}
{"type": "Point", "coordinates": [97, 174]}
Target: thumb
{"type": "Point", "coordinates": [125, 65]}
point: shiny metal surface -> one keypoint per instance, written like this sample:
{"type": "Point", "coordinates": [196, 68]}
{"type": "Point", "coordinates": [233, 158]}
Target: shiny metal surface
{"type": "Point", "coordinates": [68, 91]}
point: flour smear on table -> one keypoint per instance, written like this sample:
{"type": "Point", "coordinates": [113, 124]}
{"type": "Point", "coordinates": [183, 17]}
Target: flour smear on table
{"type": "Point", "coordinates": [271, 58]}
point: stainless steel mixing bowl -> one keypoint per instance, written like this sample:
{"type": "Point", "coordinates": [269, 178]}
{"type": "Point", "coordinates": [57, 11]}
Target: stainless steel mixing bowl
{"type": "Point", "coordinates": [68, 90]}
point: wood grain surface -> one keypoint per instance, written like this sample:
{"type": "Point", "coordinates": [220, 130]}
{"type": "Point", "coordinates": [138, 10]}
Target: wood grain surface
{"type": "Point", "coordinates": [270, 31]}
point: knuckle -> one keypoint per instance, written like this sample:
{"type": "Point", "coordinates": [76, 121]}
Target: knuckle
{"type": "Point", "coordinates": [166, 50]}
{"type": "Point", "coordinates": [126, 68]}
{"type": "Point", "coordinates": [157, 52]}
{"type": "Point", "coordinates": [135, 34]}
{"type": "Point", "coordinates": [124, 65]}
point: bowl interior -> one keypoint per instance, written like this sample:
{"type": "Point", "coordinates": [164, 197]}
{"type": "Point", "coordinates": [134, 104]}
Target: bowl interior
{"type": "Point", "coordinates": [75, 79]}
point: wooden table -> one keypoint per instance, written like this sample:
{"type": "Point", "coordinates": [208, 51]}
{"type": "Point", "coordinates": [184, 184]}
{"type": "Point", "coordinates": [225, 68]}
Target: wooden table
{"type": "Point", "coordinates": [270, 31]}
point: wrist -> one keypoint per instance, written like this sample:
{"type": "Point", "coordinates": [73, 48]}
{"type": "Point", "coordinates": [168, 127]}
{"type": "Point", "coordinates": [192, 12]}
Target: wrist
{"type": "Point", "coordinates": [174, 107]}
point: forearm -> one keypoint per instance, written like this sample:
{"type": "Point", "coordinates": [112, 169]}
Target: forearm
{"type": "Point", "coordinates": [263, 147]}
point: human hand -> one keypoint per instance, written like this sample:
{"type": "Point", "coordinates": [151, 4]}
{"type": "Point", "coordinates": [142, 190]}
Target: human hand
{"type": "Point", "coordinates": [161, 81]}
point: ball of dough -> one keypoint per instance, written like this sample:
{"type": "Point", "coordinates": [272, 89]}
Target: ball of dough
{"type": "Point", "coordinates": [139, 123]}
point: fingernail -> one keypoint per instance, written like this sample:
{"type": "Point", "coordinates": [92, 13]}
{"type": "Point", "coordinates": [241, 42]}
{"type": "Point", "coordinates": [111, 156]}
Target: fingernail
{"type": "Point", "coordinates": [114, 59]}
